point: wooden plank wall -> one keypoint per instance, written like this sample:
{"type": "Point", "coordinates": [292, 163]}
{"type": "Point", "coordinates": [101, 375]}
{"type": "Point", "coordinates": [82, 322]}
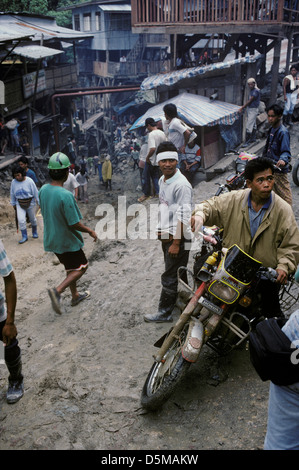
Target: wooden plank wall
{"type": "Point", "coordinates": [206, 11]}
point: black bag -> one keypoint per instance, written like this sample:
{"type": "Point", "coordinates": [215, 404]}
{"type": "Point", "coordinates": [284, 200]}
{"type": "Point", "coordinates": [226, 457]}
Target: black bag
{"type": "Point", "coordinates": [25, 203]}
{"type": "Point", "coordinates": [270, 353]}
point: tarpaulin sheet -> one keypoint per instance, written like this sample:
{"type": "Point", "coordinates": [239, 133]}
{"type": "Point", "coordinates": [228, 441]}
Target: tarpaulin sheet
{"type": "Point", "coordinates": [194, 110]}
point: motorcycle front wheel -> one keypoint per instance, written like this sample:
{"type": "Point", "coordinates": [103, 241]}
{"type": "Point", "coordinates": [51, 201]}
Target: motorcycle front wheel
{"type": "Point", "coordinates": [165, 376]}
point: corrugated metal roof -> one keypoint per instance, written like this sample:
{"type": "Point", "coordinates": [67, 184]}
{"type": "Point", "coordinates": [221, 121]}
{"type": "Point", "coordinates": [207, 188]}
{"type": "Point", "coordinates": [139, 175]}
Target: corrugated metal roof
{"type": "Point", "coordinates": [194, 110]}
{"type": "Point", "coordinates": [115, 8]}
{"type": "Point", "coordinates": [8, 36]}
{"type": "Point", "coordinates": [35, 52]}
{"type": "Point", "coordinates": [39, 28]}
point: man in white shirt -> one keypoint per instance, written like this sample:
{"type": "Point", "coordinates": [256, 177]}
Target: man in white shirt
{"type": "Point", "coordinates": [151, 168]}
{"type": "Point", "coordinates": [72, 185]}
{"type": "Point", "coordinates": [290, 94]}
{"type": "Point", "coordinates": [174, 232]}
{"type": "Point", "coordinates": [175, 129]}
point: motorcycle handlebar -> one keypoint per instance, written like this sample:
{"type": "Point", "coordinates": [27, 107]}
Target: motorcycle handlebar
{"type": "Point", "coordinates": [269, 273]}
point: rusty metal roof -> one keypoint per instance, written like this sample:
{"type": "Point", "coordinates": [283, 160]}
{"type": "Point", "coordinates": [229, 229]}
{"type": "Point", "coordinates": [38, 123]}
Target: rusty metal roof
{"type": "Point", "coordinates": [40, 28]}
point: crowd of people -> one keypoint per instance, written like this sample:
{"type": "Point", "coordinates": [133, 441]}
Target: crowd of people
{"type": "Point", "coordinates": [167, 156]}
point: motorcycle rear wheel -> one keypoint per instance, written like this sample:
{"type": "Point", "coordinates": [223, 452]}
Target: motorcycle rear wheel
{"type": "Point", "coordinates": [165, 376]}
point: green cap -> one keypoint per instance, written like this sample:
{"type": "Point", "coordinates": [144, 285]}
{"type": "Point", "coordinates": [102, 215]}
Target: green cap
{"type": "Point", "coordinates": [59, 161]}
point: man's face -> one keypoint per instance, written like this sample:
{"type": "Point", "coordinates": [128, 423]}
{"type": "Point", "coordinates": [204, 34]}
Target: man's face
{"type": "Point", "coordinates": [168, 167]}
{"type": "Point", "coordinates": [293, 72]}
{"type": "Point", "coordinates": [23, 165]}
{"type": "Point", "coordinates": [262, 184]}
{"type": "Point", "coordinates": [273, 119]}
{"type": "Point", "coordinates": [19, 176]}
{"type": "Point", "coordinates": [251, 85]}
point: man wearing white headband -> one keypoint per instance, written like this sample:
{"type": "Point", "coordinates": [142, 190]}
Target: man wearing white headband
{"type": "Point", "coordinates": [173, 230]}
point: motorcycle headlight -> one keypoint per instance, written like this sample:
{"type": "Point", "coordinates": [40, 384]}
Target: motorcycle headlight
{"type": "Point", "coordinates": [223, 292]}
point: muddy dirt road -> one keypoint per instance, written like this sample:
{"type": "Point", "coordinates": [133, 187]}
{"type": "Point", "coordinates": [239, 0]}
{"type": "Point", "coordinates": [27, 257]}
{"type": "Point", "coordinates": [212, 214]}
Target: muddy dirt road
{"type": "Point", "coordinates": [84, 370]}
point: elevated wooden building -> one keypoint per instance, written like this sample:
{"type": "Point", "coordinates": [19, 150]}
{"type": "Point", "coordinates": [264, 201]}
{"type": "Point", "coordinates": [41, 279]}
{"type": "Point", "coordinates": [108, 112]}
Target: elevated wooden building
{"type": "Point", "coordinates": [246, 26]}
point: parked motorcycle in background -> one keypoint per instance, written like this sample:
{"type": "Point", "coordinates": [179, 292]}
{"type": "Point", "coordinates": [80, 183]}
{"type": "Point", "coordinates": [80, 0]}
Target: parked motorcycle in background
{"type": "Point", "coordinates": [295, 171]}
{"type": "Point", "coordinates": [220, 311]}
{"type": "Point", "coordinates": [236, 180]}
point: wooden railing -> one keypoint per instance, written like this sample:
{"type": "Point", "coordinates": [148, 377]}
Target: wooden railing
{"type": "Point", "coordinates": [158, 12]}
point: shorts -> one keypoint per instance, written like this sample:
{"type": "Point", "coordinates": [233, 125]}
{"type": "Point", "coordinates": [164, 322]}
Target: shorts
{"type": "Point", "coordinates": [73, 260]}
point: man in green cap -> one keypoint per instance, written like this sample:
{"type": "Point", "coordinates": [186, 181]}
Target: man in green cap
{"type": "Point", "coordinates": [62, 230]}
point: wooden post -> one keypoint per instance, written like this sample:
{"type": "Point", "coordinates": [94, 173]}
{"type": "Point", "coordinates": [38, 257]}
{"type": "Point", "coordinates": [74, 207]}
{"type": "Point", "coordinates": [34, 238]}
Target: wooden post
{"type": "Point", "coordinates": [275, 70]}
{"type": "Point", "coordinates": [288, 57]}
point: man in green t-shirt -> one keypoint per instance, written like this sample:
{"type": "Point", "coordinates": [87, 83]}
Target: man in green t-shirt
{"type": "Point", "coordinates": [62, 230]}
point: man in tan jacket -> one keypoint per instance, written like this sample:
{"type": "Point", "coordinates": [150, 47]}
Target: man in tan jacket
{"type": "Point", "coordinates": [259, 222]}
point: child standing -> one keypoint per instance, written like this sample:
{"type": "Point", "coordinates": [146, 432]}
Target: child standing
{"type": "Point", "coordinates": [107, 172]}
{"type": "Point", "coordinates": [82, 178]}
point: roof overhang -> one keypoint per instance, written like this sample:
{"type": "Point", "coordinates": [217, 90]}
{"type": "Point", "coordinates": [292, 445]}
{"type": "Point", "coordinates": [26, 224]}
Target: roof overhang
{"type": "Point", "coordinates": [35, 52]}
{"type": "Point", "coordinates": [115, 8]}
{"type": "Point", "coordinates": [40, 28]}
{"type": "Point", "coordinates": [194, 110]}
{"type": "Point", "coordinates": [8, 37]}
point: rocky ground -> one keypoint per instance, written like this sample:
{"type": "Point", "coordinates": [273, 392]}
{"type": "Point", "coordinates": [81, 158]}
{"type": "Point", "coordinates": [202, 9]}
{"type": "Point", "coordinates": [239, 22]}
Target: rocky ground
{"type": "Point", "coordinates": [84, 370]}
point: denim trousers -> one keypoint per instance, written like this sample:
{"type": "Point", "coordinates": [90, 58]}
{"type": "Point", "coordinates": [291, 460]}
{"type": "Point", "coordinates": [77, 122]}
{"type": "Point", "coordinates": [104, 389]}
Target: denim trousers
{"type": "Point", "coordinates": [21, 214]}
{"type": "Point", "coordinates": [150, 172]}
{"type": "Point", "coordinates": [283, 418]}
{"type": "Point", "coordinates": [290, 104]}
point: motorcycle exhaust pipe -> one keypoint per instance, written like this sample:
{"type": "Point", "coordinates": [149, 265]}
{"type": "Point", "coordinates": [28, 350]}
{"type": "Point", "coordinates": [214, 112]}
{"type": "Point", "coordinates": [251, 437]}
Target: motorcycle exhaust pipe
{"type": "Point", "coordinates": [194, 341]}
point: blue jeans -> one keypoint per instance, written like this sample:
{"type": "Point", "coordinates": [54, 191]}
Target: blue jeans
{"type": "Point", "coordinates": [290, 104]}
{"type": "Point", "coordinates": [150, 172]}
{"type": "Point", "coordinates": [100, 172]}
{"type": "Point", "coordinates": [21, 214]}
{"type": "Point", "coordinates": [283, 418]}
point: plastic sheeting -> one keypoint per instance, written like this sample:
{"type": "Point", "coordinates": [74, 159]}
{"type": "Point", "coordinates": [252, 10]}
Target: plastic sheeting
{"type": "Point", "coordinates": [195, 110]}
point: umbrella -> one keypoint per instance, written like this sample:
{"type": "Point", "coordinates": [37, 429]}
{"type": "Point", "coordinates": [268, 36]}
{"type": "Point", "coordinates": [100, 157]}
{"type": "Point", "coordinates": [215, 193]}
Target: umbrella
{"type": "Point", "coordinates": [194, 110]}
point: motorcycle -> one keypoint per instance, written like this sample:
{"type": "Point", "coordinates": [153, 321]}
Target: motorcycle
{"type": "Point", "coordinates": [236, 180]}
{"type": "Point", "coordinates": [220, 312]}
{"type": "Point", "coordinates": [295, 172]}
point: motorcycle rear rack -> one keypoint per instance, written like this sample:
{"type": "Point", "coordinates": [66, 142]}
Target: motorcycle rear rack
{"type": "Point", "coordinates": [220, 344]}
{"type": "Point", "coordinates": [235, 329]}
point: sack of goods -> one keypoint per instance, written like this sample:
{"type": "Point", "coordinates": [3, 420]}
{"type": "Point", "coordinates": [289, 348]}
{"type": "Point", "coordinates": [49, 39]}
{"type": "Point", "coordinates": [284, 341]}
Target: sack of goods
{"type": "Point", "coordinates": [11, 124]}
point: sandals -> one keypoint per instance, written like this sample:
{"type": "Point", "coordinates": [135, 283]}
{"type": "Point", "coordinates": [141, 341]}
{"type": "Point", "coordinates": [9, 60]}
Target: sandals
{"type": "Point", "coordinates": [81, 297]}
{"type": "Point", "coordinates": [143, 198]}
{"type": "Point", "coordinates": [55, 300]}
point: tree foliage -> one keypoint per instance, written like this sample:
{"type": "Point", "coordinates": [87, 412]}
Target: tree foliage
{"type": "Point", "coordinates": [42, 7]}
